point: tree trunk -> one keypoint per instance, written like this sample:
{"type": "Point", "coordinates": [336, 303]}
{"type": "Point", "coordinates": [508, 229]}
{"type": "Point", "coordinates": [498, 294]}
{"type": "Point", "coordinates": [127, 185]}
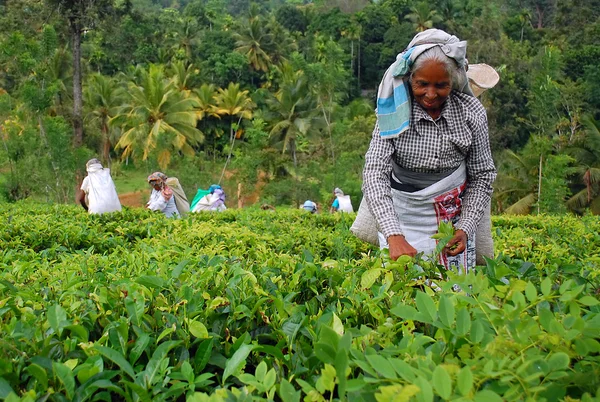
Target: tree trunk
{"type": "Point", "coordinates": [77, 91]}
{"type": "Point", "coordinates": [293, 146]}
{"type": "Point", "coordinates": [328, 122]}
{"type": "Point", "coordinates": [232, 140]}
{"type": "Point", "coordinates": [240, 203]}
{"type": "Point", "coordinates": [352, 56]}
{"type": "Point", "coordinates": [106, 145]}
{"type": "Point", "coordinates": [540, 15]}
{"type": "Point", "coordinates": [358, 63]}
{"type": "Point", "coordinates": [539, 186]}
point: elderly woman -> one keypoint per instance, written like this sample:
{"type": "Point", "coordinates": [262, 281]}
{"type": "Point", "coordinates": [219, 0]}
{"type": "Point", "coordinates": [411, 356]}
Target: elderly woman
{"type": "Point", "coordinates": [429, 159]}
{"type": "Point", "coordinates": [161, 198]}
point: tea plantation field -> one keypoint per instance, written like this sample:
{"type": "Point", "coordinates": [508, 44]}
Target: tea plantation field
{"type": "Point", "coordinates": [257, 305]}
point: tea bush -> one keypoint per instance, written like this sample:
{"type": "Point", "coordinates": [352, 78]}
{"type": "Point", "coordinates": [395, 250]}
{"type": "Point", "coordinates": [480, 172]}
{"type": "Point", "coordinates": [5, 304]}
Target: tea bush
{"type": "Point", "coordinates": [260, 305]}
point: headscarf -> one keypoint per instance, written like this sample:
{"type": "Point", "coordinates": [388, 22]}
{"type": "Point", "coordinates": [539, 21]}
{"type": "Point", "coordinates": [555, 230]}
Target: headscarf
{"type": "Point", "coordinates": [213, 187]}
{"type": "Point", "coordinates": [161, 179]}
{"type": "Point", "coordinates": [338, 192]}
{"type": "Point", "coordinates": [393, 97]}
{"type": "Point", "coordinates": [310, 206]}
{"type": "Point", "coordinates": [93, 165]}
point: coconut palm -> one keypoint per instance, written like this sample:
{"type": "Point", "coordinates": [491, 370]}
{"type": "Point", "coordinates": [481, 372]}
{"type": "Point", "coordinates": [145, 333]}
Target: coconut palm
{"type": "Point", "coordinates": [207, 108]}
{"type": "Point", "coordinates": [353, 33]}
{"type": "Point", "coordinates": [158, 115]}
{"type": "Point", "coordinates": [516, 183]}
{"type": "Point", "coordinates": [536, 175]}
{"type": "Point", "coordinates": [293, 112]}
{"type": "Point", "coordinates": [187, 36]}
{"type": "Point", "coordinates": [423, 17]}
{"type": "Point", "coordinates": [181, 74]}
{"type": "Point", "coordinates": [293, 115]}
{"type": "Point", "coordinates": [254, 41]}
{"type": "Point", "coordinates": [207, 104]}
{"type": "Point", "coordinates": [59, 71]}
{"type": "Point", "coordinates": [103, 98]}
{"type": "Point", "coordinates": [234, 103]}
{"type": "Point", "coordinates": [284, 44]}
{"type": "Point", "coordinates": [586, 152]}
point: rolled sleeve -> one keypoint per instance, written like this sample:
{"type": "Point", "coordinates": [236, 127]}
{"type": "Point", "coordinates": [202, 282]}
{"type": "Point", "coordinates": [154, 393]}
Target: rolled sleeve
{"type": "Point", "coordinates": [376, 184]}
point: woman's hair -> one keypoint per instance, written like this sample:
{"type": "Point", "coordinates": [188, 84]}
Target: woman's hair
{"type": "Point", "coordinates": [435, 53]}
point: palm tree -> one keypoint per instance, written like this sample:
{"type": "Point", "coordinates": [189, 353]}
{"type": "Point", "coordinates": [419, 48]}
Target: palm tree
{"type": "Point", "coordinates": [233, 102]}
{"type": "Point", "coordinates": [253, 40]}
{"type": "Point", "coordinates": [423, 17]}
{"type": "Point", "coordinates": [187, 36]}
{"type": "Point", "coordinates": [158, 116]}
{"type": "Point", "coordinates": [103, 97]}
{"type": "Point", "coordinates": [59, 71]}
{"type": "Point", "coordinates": [206, 101]}
{"type": "Point", "coordinates": [516, 183]}
{"type": "Point", "coordinates": [284, 43]}
{"type": "Point", "coordinates": [353, 34]}
{"type": "Point", "coordinates": [207, 107]}
{"type": "Point", "coordinates": [293, 112]}
{"type": "Point", "coordinates": [586, 151]}
{"type": "Point", "coordinates": [181, 75]}
{"type": "Point", "coordinates": [524, 20]}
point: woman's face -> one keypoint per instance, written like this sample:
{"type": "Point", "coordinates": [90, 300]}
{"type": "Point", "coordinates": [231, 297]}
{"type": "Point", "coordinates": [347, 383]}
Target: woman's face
{"type": "Point", "coordinates": [431, 86]}
{"type": "Point", "coordinates": [155, 185]}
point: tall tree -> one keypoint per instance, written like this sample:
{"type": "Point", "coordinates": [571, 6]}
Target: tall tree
{"type": "Point", "coordinates": [234, 103]}
{"type": "Point", "coordinates": [293, 112]}
{"type": "Point", "coordinates": [253, 40]}
{"type": "Point", "coordinates": [103, 97]}
{"type": "Point", "coordinates": [80, 15]}
{"type": "Point", "coordinates": [586, 151]}
{"type": "Point", "coordinates": [207, 108]}
{"type": "Point", "coordinates": [157, 115]}
{"type": "Point", "coordinates": [423, 17]}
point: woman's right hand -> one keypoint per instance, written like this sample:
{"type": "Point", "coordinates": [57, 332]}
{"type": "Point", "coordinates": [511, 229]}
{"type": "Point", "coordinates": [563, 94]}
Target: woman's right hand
{"type": "Point", "coordinates": [399, 246]}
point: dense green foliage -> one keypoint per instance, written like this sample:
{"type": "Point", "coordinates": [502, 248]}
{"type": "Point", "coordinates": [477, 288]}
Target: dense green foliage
{"type": "Point", "coordinates": [261, 305]}
{"type": "Point", "coordinates": [281, 92]}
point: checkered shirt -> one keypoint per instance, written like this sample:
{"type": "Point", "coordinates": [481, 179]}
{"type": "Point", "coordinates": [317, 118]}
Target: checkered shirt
{"type": "Point", "coordinates": [460, 133]}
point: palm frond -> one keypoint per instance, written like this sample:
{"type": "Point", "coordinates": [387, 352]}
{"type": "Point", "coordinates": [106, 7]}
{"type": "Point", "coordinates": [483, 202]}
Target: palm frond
{"type": "Point", "coordinates": [521, 207]}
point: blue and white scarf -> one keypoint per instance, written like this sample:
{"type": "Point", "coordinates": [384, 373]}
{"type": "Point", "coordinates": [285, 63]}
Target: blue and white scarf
{"type": "Point", "coordinates": [393, 96]}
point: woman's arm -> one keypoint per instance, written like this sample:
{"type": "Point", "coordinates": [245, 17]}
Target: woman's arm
{"type": "Point", "coordinates": [157, 201]}
{"type": "Point", "coordinates": [481, 174]}
{"type": "Point", "coordinates": [376, 184]}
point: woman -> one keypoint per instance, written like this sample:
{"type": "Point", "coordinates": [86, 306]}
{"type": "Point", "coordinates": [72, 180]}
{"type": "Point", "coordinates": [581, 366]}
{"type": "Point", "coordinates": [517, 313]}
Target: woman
{"type": "Point", "coordinates": [214, 200]}
{"type": "Point", "coordinates": [341, 203]}
{"type": "Point", "coordinates": [99, 189]}
{"type": "Point", "coordinates": [429, 159]}
{"type": "Point", "coordinates": [161, 198]}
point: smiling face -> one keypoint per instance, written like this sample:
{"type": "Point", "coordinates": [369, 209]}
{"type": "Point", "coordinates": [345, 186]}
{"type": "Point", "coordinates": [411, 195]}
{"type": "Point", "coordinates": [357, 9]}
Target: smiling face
{"type": "Point", "coordinates": [431, 85]}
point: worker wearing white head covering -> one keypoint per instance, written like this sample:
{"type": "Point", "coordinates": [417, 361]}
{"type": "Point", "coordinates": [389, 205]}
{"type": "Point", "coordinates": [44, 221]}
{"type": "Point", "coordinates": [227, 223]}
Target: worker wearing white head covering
{"type": "Point", "coordinates": [342, 202]}
{"type": "Point", "coordinates": [99, 189]}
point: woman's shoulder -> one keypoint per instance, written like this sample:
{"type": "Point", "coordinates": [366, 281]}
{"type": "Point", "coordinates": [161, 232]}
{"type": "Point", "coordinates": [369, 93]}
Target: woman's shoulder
{"type": "Point", "coordinates": [472, 107]}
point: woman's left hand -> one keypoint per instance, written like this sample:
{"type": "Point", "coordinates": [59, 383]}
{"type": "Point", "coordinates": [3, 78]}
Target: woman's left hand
{"type": "Point", "coordinates": [457, 244]}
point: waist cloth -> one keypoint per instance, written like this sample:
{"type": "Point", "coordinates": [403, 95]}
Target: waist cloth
{"type": "Point", "coordinates": [421, 202]}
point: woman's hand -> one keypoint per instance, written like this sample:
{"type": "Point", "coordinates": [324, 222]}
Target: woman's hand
{"type": "Point", "coordinates": [457, 244]}
{"type": "Point", "coordinates": [399, 246]}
